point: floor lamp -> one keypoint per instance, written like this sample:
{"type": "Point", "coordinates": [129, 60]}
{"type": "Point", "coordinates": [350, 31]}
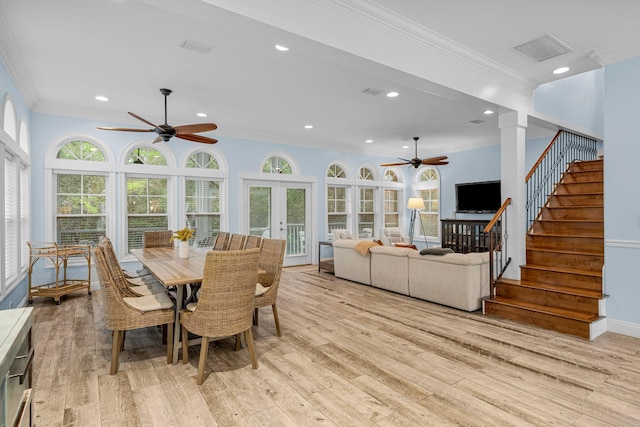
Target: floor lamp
{"type": "Point", "coordinates": [415, 203]}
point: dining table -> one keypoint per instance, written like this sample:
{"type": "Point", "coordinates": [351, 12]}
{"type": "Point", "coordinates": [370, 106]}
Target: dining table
{"type": "Point", "coordinates": [169, 269]}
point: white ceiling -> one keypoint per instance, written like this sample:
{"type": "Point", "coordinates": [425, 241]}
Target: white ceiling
{"type": "Point", "coordinates": [62, 53]}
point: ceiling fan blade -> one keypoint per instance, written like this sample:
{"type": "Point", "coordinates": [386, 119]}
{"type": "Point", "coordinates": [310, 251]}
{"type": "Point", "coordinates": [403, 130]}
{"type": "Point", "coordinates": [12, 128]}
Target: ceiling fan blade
{"type": "Point", "coordinates": [201, 127]}
{"type": "Point", "coordinates": [124, 129]}
{"type": "Point", "coordinates": [197, 138]}
{"type": "Point", "coordinates": [432, 160]}
{"type": "Point", "coordinates": [395, 164]}
{"type": "Point", "coordinates": [438, 163]}
{"type": "Point", "coordinates": [158, 139]}
{"type": "Point", "coordinates": [142, 120]}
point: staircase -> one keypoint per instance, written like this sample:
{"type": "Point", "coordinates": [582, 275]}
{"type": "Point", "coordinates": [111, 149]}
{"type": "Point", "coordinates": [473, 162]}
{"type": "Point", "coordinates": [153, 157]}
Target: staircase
{"type": "Point", "coordinates": [561, 282]}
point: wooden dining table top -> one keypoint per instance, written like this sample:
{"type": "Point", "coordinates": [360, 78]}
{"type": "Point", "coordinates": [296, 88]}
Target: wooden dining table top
{"type": "Point", "coordinates": [169, 268]}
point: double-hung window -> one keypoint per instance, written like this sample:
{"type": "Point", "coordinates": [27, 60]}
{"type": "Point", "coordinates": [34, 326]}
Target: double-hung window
{"type": "Point", "coordinates": [428, 188]}
{"type": "Point", "coordinates": [202, 200]}
{"type": "Point", "coordinates": [337, 213]}
{"type": "Point", "coordinates": [147, 197]}
{"type": "Point", "coordinates": [81, 200]}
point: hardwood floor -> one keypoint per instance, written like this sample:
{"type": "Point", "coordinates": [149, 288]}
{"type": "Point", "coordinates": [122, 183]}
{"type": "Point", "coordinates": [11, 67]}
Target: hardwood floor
{"type": "Point", "coordinates": [350, 355]}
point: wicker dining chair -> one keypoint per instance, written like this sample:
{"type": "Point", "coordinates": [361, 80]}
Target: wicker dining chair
{"type": "Point", "coordinates": [141, 272]}
{"type": "Point", "coordinates": [252, 242]}
{"type": "Point", "coordinates": [126, 313]}
{"type": "Point", "coordinates": [225, 305]}
{"type": "Point", "coordinates": [271, 259]}
{"type": "Point", "coordinates": [157, 239]}
{"type": "Point", "coordinates": [222, 240]}
{"type": "Point", "coordinates": [128, 286]}
{"type": "Point", "coordinates": [236, 242]}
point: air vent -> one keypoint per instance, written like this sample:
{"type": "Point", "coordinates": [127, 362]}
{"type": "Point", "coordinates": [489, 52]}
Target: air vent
{"type": "Point", "coordinates": [195, 46]}
{"type": "Point", "coordinates": [543, 48]}
{"type": "Point", "coordinates": [476, 121]}
{"type": "Point", "coordinates": [372, 91]}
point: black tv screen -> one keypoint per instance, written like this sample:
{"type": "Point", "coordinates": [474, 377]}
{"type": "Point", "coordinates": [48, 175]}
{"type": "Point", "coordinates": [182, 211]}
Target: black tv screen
{"type": "Point", "coordinates": [478, 197]}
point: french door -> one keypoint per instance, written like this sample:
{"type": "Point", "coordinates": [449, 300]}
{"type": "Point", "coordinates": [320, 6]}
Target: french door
{"type": "Point", "coordinates": [281, 210]}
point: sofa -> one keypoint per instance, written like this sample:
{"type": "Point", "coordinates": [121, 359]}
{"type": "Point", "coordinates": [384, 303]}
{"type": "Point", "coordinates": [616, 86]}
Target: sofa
{"type": "Point", "coordinates": [455, 280]}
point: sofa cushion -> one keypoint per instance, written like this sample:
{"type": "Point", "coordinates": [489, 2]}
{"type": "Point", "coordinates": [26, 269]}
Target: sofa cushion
{"type": "Point", "coordinates": [391, 251]}
{"type": "Point", "coordinates": [454, 258]}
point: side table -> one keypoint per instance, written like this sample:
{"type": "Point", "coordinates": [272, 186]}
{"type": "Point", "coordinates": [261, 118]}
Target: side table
{"type": "Point", "coordinates": [325, 264]}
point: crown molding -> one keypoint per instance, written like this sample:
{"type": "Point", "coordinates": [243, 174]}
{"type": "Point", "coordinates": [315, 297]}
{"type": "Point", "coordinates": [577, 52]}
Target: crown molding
{"type": "Point", "coordinates": [617, 52]}
{"type": "Point", "coordinates": [389, 23]}
{"type": "Point", "coordinates": [13, 61]}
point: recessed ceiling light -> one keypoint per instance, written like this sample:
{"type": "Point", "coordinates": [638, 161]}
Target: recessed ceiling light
{"type": "Point", "coordinates": [369, 141]}
{"type": "Point", "coordinates": [561, 70]}
{"type": "Point", "coordinates": [102, 98]}
{"type": "Point", "coordinates": [282, 48]}
{"type": "Point", "coordinates": [392, 94]}
{"type": "Point", "coordinates": [308, 126]}
{"type": "Point", "coordinates": [201, 114]}
{"type": "Point", "coordinates": [488, 112]}
{"type": "Point", "coordinates": [405, 146]}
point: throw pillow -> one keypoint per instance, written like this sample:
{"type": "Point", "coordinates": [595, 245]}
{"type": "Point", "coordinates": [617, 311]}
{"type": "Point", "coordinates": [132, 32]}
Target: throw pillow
{"type": "Point", "coordinates": [436, 251]}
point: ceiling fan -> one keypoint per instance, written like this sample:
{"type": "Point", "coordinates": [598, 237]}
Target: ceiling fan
{"type": "Point", "coordinates": [166, 132]}
{"type": "Point", "coordinates": [415, 162]}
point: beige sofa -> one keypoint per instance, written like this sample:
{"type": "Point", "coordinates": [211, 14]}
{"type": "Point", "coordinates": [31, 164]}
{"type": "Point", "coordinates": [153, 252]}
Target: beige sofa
{"type": "Point", "coordinates": [349, 264]}
{"type": "Point", "coordinates": [454, 280]}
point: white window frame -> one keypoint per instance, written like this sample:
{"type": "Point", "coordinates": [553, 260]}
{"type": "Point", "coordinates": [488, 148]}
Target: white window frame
{"type": "Point", "coordinates": [419, 185]}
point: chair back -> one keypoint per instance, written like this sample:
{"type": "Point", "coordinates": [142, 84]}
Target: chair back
{"type": "Point", "coordinates": [221, 242]}
{"type": "Point", "coordinates": [252, 242]}
{"type": "Point", "coordinates": [271, 259]}
{"type": "Point", "coordinates": [236, 242]}
{"type": "Point", "coordinates": [157, 239]}
{"type": "Point", "coordinates": [114, 269]}
{"type": "Point", "coordinates": [225, 304]}
{"type": "Point", "coordinates": [114, 318]}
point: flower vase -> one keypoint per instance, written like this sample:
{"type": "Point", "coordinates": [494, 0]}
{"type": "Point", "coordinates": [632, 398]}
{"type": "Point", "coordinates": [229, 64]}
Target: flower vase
{"type": "Point", "coordinates": [183, 249]}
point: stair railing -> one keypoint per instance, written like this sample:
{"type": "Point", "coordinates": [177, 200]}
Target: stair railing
{"type": "Point", "coordinates": [546, 173]}
{"type": "Point", "coordinates": [499, 258]}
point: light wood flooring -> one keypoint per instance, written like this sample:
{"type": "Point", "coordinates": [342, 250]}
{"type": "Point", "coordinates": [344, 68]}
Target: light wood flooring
{"type": "Point", "coordinates": [350, 355]}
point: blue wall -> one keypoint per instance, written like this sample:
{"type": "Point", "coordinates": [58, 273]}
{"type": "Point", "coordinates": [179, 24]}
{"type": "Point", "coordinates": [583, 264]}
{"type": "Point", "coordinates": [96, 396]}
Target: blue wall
{"type": "Point", "coordinates": [622, 197]}
{"type": "Point", "coordinates": [576, 99]}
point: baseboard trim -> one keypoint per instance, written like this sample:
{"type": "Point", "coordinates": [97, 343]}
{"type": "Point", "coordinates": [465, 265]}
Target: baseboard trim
{"type": "Point", "coordinates": [624, 328]}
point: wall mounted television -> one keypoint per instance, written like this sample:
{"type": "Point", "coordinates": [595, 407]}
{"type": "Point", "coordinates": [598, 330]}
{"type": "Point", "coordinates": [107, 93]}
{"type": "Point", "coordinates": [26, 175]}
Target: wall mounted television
{"type": "Point", "coordinates": [478, 197]}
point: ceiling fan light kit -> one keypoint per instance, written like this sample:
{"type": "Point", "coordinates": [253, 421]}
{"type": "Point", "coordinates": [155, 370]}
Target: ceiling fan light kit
{"type": "Point", "coordinates": [416, 162]}
{"type": "Point", "coordinates": [165, 131]}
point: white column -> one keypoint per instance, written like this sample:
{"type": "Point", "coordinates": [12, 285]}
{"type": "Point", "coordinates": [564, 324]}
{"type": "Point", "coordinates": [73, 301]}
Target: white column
{"type": "Point", "coordinates": [512, 170]}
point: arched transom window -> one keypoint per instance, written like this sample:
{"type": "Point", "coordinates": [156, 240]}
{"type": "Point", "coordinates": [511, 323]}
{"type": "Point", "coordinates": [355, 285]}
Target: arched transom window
{"type": "Point", "coordinates": [202, 160]}
{"type": "Point", "coordinates": [146, 156]}
{"type": "Point", "coordinates": [276, 164]}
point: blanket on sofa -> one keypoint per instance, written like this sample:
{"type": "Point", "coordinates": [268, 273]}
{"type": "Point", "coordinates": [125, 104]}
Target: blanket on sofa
{"type": "Point", "coordinates": [363, 247]}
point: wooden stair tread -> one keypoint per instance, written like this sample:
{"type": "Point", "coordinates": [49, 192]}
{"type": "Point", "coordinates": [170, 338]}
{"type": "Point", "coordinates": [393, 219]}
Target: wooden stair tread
{"type": "Point", "coordinates": [600, 221]}
{"type": "Point", "coordinates": [586, 293]}
{"type": "Point", "coordinates": [564, 270]}
{"type": "Point", "coordinates": [578, 236]}
{"type": "Point", "coordinates": [565, 251]}
{"type": "Point", "coordinates": [554, 311]}
{"type": "Point", "coordinates": [574, 207]}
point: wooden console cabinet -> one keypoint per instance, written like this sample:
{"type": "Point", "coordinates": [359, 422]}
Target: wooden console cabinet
{"type": "Point", "coordinates": [465, 235]}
